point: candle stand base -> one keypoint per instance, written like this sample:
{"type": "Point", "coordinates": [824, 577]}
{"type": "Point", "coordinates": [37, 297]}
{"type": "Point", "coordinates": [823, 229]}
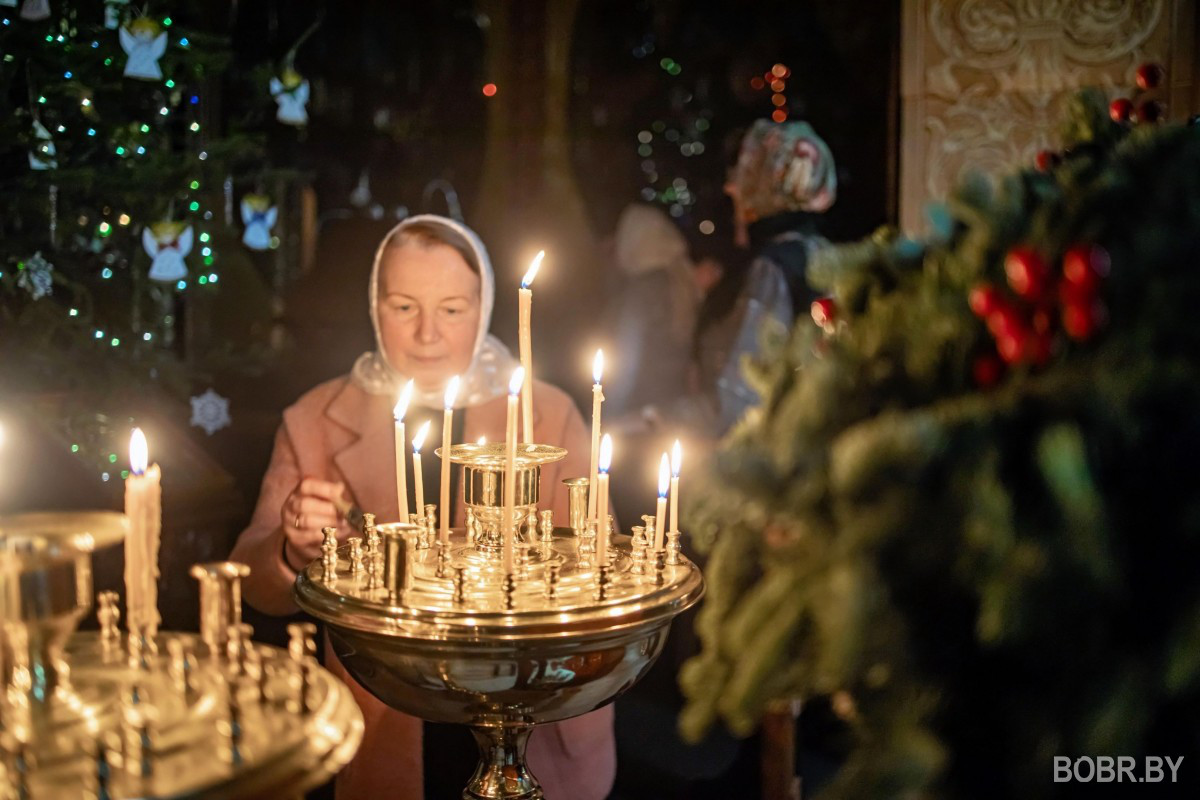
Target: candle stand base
{"type": "Point", "coordinates": [501, 772]}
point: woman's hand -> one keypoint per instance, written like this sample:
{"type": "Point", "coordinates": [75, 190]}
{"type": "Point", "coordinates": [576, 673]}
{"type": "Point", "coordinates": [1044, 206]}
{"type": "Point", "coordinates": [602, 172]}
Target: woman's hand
{"type": "Point", "coordinates": [309, 508]}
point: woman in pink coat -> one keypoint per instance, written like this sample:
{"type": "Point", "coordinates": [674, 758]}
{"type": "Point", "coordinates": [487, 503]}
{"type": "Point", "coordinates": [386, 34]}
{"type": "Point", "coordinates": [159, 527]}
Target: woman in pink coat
{"type": "Point", "coordinates": [431, 297]}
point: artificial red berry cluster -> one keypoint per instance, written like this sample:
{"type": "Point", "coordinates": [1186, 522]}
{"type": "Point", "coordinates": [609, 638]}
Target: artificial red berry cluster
{"type": "Point", "coordinates": [1140, 109]}
{"type": "Point", "coordinates": [1149, 77]}
{"type": "Point", "coordinates": [1024, 326]}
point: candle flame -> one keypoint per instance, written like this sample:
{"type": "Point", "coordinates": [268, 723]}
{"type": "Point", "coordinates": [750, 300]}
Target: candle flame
{"type": "Point", "coordinates": [139, 455]}
{"type": "Point", "coordinates": [401, 407]}
{"type": "Point", "coordinates": [676, 459]}
{"type": "Point", "coordinates": [452, 392]}
{"type": "Point", "coordinates": [606, 454]}
{"type": "Point", "coordinates": [527, 281]}
{"type": "Point", "coordinates": [482, 440]}
{"type": "Point", "coordinates": [664, 475]}
{"type": "Point", "coordinates": [517, 380]}
{"type": "Point", "coordinates": [598, 366]}
{"type": "Point", "coordinates": [419, 439]}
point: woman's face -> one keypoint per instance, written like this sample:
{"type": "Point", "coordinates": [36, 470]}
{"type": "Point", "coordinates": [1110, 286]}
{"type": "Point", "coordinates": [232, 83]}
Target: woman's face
{"type": "Point", "coordinates": [428, 312]}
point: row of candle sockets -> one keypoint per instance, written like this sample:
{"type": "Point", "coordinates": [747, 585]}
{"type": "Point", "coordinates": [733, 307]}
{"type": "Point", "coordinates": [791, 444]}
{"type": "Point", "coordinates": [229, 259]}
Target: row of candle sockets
{"type": "Point", "coordinates": [383, 559]}
{"type": "Point", "coordinates": [234, 663]}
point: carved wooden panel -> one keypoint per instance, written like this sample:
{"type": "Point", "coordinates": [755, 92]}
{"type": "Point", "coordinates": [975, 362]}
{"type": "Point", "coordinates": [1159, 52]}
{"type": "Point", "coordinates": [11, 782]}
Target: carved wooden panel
{"type": "Point", "coordinates": [983, 81]}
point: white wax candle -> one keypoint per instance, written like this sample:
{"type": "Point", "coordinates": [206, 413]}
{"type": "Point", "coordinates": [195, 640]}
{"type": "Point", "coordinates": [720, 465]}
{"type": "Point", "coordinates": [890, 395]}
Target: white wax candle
{"type": "Point", "coordinates": [418, 483]}
{"type": "Point", "coordinates": [597, 401]}
{"type": "Point", "coordinates": [398, 413]}
{"type": "Point", "coordinates": [447, 424]}
{"type": "Point", "coordinates": [143, 506]}
{"type": "Point", "coordinates": [525, 305]}
{"type": "Point", "coordinates": [660, 514]}
{"type": "Point", "coordinates": [605, 461]}
{"type": "Point", "coordinates": [676, 465]}
{"type": "Point", "coordinates": [510, 470]}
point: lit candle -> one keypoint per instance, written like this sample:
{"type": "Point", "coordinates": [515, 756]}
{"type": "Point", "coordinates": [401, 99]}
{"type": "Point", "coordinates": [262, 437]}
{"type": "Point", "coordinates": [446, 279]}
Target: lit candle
{"type": "Point", "coordinates": [510, 468]}
{"type": "Point", "coordinates": [597, 400]}
{"type": "Point", "coordinates": [447, 421]}
{"type": "Point", "coordinates": [398, 412]}
{"type": "Point", "coordinates": [660, 515]}
{"type": "Point", "coordinates": [143, 506]}
{"type": "Point", "coordinates": [526, 302]}
{"type": "Point", "coordinates": [676, 464]}
{"type": "Point", "coordinates": [606, 452]}
{"type": "Point", "coordinates": [418, 483]}
{"type": "Point", "coordinates": [482, 440]}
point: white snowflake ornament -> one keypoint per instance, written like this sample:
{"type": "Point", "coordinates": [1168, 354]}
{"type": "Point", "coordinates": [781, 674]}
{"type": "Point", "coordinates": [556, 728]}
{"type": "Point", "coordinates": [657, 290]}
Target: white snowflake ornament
{"type": "Point", "coordinates": [290, 91]}
{"type": "Point", "coordinates": [144, 42]}
{"type": "Point", "coordinates": [113, 11]}
{"type": "Point", "coordinates": [35, 10]}
{"type": "Point", "coordinates": [259, 216]}
{"type": "Point", "coordinates": [44, 154]}
{"type": "Point", "coordinates": [35, 276]}
{"type": "Point", "coordinates": [210, 411]}
{"type": "Point", "coordinates": [167, 244]}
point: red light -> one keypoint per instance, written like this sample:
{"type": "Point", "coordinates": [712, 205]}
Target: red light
{"type": "Point", "coordinates": [779, 115]}
{"type": "Point", "coordinates": [779, 70]}
{"type": "Point", "coordinates": [489, 90]}
{"type": "Point", "coordinates": [778, 99]}
{"type": "Point", "coordinates": [777, 86]}
{"type": "Point", "coordinates": [757, 83]}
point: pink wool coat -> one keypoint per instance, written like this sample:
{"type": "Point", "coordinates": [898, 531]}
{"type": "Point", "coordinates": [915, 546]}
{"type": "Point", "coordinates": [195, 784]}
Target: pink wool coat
{"type": "Point", "coordinates": [338, 432]}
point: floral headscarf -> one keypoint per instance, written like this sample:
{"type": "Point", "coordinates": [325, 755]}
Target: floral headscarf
{"type": "Point", "coordinates": [783, 167]}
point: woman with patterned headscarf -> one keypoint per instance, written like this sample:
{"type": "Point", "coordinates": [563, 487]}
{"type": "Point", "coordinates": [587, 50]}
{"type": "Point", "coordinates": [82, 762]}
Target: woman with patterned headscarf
{"type": "Point", "coordinates": [783, 179]}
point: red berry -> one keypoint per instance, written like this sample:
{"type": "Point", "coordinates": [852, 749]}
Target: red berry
{"type": "Point", "coordinates": [1150, 75]}
{"type": "Point", "coordinates": [1006, 322]}
{"type": "Point", "coordinates": [1026, 272]}
{"type": "Point", "coordinates": [1085, 265]}
{"type": "Point", "coordinates": [1011, 348]}
{"type": "Point", "coordinates": [824, 312]}
{"type": "Point", "coordinates": [987, 370]}
{"type": "Point", "coordinates": [1081, 320]}
{"type": "Point", "coordinates": [984, 299]}
{"type": "Point", "coordinates": [1121, 109]}
{"type": "Point", "coordinates": [1047, 160]}
{"type": "Point", "coordinates": [1151, 111]}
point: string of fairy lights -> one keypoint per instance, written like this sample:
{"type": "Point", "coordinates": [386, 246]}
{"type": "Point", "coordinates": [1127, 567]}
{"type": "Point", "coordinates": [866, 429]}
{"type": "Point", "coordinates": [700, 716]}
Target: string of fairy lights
{"type": "Point", "coordinates": [139, 138]}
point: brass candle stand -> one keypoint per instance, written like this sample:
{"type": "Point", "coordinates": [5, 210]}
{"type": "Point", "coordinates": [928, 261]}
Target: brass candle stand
{"type": "Point", "coordinates": [113, 714]}
{"type": "Point", "coordinates": [447, 635]}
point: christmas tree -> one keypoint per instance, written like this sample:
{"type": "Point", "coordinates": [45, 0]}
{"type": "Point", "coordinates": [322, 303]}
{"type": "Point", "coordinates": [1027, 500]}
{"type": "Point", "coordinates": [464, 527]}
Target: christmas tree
{"type": "Point", "coordinates": [124, 274]}
{"type": "Point", "coordinates": [966, 511]}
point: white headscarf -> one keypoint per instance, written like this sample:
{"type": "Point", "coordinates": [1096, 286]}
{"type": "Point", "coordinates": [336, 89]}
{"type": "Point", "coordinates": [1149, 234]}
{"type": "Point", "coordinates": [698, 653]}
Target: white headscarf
{"type": "Point", "coordinates": [646, 240]}
{"type": "Point", "coordinates": [491, 364]}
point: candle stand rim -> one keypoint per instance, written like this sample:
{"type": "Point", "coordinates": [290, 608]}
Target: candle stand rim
{"type": "Point", "coordinates": [74, 529]}
{"type": "Point", "coordinates": [492, 455]}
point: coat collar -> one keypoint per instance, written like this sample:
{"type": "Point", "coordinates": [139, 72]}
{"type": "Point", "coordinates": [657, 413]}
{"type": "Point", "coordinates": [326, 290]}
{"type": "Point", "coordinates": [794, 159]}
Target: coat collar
{"type": "Point", "coordinates": [366, 455]}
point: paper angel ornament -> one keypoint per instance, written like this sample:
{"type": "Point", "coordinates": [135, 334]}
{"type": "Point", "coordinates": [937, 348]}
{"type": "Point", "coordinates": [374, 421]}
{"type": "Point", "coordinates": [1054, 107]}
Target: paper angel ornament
{"type": "Point", "coordinates": [144, 42]}
{"type": "Point", "coordinates": [258, 215]}
{"type": "Point", "coordinates": [113, 10]}
{"type": "Point", "coordinates": [290, 91]}
{"type": "Point", "coordinates": [34, 10]}
{"type": "Point", "coordinates": [167, 244]}
{"type": "Point", "coordinates": [44, 154]}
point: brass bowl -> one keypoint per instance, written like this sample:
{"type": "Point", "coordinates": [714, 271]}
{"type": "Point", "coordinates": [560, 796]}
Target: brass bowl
{"type": "Point", "coordinates": [475, 661]}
